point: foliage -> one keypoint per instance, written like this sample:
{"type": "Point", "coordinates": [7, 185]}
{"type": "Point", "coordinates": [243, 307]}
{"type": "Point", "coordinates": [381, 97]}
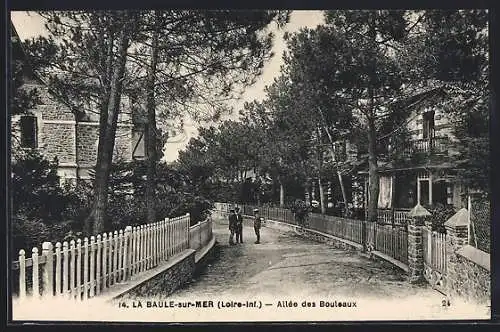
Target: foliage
{"type": "Point", "coordinates": [175, 195]}
{"type": "Point", "coordinates": [42, 209]}
{"type": "Point", "coordinates": [36, 189]}
{"type": "Point", "coordinates": [300, 210]}
{"type": "Point", "coordinates": [439, 215]}
{"type": "Point", "coordinates": [97, 57]}
{"type": "Point", "coordinates": [22, 99]}
{"type": "Point", "coordinates": [458, 43]}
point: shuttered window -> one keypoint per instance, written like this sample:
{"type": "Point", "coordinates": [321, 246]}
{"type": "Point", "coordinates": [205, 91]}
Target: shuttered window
{"type": "Point", "coordinates": [28, 132]}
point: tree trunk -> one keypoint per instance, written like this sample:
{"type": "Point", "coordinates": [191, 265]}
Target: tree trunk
{"type": "Point", "coordinates": [373, 177]}
{"type": "Point", "coordinates": [97, 218]}
{"type": "Point", "coordinates": [332, 149]}
{"type": "Point", "coordinates": [321, 196]}
{"type": "Point", "coordinates": [151, 139]}
{"type": "Point", "coordinates": [342, 188]}
{"type": "Point", "coordinates": [282, 194]}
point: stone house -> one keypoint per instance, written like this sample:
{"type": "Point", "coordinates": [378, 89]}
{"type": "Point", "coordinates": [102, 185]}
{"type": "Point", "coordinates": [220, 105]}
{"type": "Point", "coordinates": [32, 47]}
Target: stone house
{"type": "Point", "coordinates": [419, 170]}
{"type": "Point", "coordinates": [57, 131]}
{"type": "Point", "coordinates": [52, 128]}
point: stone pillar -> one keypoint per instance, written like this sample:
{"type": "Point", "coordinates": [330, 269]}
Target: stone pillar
{"type": "Point", "coordinates": [457, 228]}
{"type": "Point", "coordinates": [415, 243]}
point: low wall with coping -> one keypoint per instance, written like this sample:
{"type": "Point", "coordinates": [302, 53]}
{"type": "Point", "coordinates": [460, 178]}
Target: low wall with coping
{"type": "Point", "coordinates": [468, 275]}
{"type": "Point", "coordinates": [167, 277]}
{"type": "Point", "coordinates": [328, 239]}
{"type": "Point", "coordinates": [165, 281]}
{"type": "Point", "coordinates": [449, 263]}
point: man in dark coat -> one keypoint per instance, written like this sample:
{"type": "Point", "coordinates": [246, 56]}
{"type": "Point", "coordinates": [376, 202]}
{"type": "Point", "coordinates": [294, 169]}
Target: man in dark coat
{"type": "Point", "coordinates": [232, 225]}
{"type": "Point", "coordinates": [257, 222]}
{"type": "Point", "coordinates": [239, 226]}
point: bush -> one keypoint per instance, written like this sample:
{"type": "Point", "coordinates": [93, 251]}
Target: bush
{"type": "Point", "coordinates": [27, 234]}
{"type": "Point", "coordinates": [439, 215]}
{"type": "Point", "coordinates": [36, 189]}
{"type": "Point", "coordinates": [42, 209]}
{"type": "Point", "coordinates": [175, 196]}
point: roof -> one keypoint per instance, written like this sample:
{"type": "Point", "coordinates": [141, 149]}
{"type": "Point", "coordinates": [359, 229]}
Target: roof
{"type": "Point", "coordinates": [19, 54]}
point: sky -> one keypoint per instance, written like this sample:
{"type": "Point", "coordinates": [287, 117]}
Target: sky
{"type": "Point", "coordinates": [30, 25]}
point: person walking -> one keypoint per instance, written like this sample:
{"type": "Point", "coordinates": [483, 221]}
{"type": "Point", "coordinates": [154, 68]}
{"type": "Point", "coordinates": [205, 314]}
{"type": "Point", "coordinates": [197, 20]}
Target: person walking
{"type": "Point", "coordinates": [239, 226]}
{"type": "Point", "coordinates": [257, 224]}
{"type": "Point", "coordinates": [232, 226]}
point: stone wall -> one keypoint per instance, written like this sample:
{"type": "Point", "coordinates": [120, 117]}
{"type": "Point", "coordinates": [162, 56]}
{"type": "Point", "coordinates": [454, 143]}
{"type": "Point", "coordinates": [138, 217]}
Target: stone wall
{"type": "Point", "coordinates": [72, 143]}
{"type": "Point", "coordinates": [123, 143]}
{"type": "Point", "coordinates": [51, 108]}
{"type": "Point", "coordinates": [58, 140]}
{"type": "Point", "coordinates": [468, 268]}
{"type": "Point", "coordinates": [88, 136]}
{"type": "Point", "coordinates": [168, 280]}
{"type": "Point", "coordinates": [467, 278]}
{"type": "Point", "coordinates": [442, 123]}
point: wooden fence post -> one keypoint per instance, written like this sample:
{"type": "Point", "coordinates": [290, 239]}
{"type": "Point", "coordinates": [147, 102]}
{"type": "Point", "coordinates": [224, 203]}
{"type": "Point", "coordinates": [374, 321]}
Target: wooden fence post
{"type": "Point", "coordinates": [22, 274]}
{"type": "Point", "coordinates": [85, 268]}
{"type": "Point", "coordinates": [155, 243]}
{"type": "Point", "coordinates": [149, 241]}
{"type": "Point", "coordinates": [167, 239]}
{"type": "Point", "coordinates": [120, 255]}
{"type": "Point", "coordinates": [92, 266]}
{"type": "Point", "coordinates": [35, 279]}
{"type": "Point", "coordinates": [105, 270]}
{"type": "Point", "coordinates": [133, 248]}
{"type": "Point", "coordinates": [66, 259]}
{"type": "Point", "coordinates": [58, 268]}
{"type": "Point", "coordinates": [128, 252]}
{"type": "Point", "coordinates": [162, 240]}
{"type": "Point", "coordinates": [48, 270]}
{"type": "Point", "coordinates": [72, 266]}
{"type": "Point", "coordinates": [98, 265]}
{"type": "Point", "coordinates": [115, 257]}
{"type": "Point", "coordinates": [141, 248]}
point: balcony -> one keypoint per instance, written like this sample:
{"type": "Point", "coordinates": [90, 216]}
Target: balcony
{"type": "Point", "coordinates": [395, 217]}
{"type": "Point", "coordinates": [429, 146]}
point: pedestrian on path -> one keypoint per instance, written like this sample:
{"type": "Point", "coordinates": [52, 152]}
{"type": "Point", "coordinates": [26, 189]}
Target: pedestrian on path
{"type": "Point", "coordinates": [256, 224]}
{"type": "Point", "coordinates": [232, 226]}
{"type": "Point", "coordinates": [239, 226]}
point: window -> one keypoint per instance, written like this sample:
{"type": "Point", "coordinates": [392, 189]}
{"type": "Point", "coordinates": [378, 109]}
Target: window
{"type": "Point", "coordinates": [440, 192]}
{"type": "Point", "coordinates": [138, 146]}
{"type": "Point", "coordinates": [476, 125]}
{"type": "Point", "coordinates": [428, 124]}
{"type": "Point", "coordinates": [28, 132]}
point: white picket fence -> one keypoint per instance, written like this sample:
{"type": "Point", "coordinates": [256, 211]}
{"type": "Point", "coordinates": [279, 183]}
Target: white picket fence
{"type": "Point", "coordinates": [83, 269]}
{"type": "Point", "coordinates": [434, 247]}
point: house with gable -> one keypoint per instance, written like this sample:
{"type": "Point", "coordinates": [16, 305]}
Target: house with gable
{"type": "Point", "coordinates": [421, 170]}
{"type": "Point", "coordinates": [71, 136]}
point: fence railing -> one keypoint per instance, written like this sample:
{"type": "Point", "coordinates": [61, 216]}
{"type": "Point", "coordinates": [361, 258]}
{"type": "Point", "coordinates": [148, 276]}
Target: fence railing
{"type": "Point", "coordinates": [392, 241]}
{"type": "Point", "coordinates": [438, 145]}
{"type": "Point", "coordinates": [83, 269]}
{"type": "Point", "coordinates": [396, 217]}
{"type": "Point", "coordinates": [434, 246]}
